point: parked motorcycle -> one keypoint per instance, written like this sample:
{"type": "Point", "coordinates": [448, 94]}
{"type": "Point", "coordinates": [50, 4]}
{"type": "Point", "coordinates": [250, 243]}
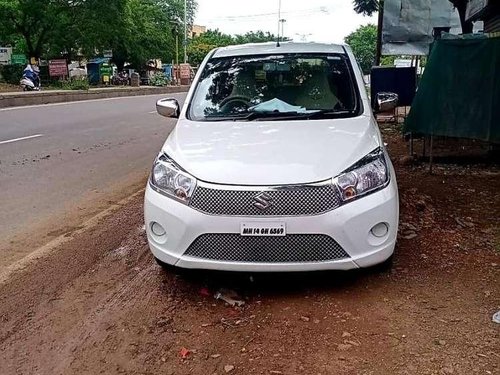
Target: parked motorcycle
{"type": "Point", "coordinates": [31, 78]}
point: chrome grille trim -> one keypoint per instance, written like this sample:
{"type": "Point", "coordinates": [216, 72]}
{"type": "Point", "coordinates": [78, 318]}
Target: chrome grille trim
{"type": "Point", "coordinates": [287, 200]}
{"type": "Point", "coordinates": [292, 248]}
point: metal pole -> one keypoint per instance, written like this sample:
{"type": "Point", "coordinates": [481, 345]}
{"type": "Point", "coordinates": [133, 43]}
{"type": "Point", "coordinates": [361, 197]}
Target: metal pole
{"type": "Point", "coordinates": [283, 28]}
{"type": "Point", "coordinates": [424, 141]}
{"type": "Point", "coordinates": [279, 20]}
{"type": "Point", "coordinates": [431, 154]}
{"type": "Point", "coordinates": [185, 31]}
{"type": "Point", "coordinates": [176, 69]}
{"type": "Point", "coordinates": [177, 50]}
{"type": "Point", "coordinates": [378, 55]}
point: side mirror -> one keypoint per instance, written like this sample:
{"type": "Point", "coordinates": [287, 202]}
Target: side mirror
{"type": "Point", "coordinates": [168, 107]}
{"type": "Point", "coordinates": [386, 101]}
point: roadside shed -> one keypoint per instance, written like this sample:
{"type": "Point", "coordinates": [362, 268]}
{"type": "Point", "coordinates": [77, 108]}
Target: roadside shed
{"type": "Point", "coordinates": [94, 68]}
{"type": "Point", "coordinates": [459, 93]}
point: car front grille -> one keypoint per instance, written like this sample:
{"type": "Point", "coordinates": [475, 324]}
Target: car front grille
{"type": "Point", "coordinates": [283, 201]}
{"type": "Point", "coordinates": [292, 248]}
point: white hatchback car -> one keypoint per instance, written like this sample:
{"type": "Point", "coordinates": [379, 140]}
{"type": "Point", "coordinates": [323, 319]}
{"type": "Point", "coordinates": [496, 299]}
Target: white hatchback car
{"type": "Point", "coordinates": [276, 164]}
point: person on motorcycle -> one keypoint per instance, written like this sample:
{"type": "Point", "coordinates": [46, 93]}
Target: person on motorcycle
{"type": "Point", "coordinates": [123, 77]}
{"type": "Point", "coordinates": [120, 78]}
{"type": "Point", "coordinates": [32, 72]}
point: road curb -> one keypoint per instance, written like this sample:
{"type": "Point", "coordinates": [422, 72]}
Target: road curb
{"type": "Point", "coordinates": [48, 97]}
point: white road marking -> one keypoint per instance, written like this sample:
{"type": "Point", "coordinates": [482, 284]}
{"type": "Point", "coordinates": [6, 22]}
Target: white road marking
{"type": "Point", "coordinates": [21, 139]}
{"type": "Point", "coordinates": [152, 112]}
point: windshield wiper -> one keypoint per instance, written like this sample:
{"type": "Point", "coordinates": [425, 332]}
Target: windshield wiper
{"type": "Point", "coordinates": [250, 116]}
{"type": "Point", "coordinates": [278, 116]}
{"type": "Point", "coordinates": [321, 114]}
{"type": "Point", "coordinates": [327, 113]}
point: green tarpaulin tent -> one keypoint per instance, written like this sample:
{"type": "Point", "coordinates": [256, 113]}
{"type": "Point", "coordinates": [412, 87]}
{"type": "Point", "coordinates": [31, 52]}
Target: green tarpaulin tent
{"type": "Point", "coordinates": [459, 93]}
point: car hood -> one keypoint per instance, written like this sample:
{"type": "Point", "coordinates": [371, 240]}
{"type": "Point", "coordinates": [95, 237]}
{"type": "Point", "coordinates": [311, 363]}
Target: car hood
{"type": "Point", "coordinates": [270, 152]}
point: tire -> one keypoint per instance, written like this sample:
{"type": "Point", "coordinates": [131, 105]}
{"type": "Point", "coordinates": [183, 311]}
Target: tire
{"type": "Point", "coordinates": [163, 265]}
{"type": "Point", "coordinates": [385, 266]}
{"type": "Point", "coordinates": [169, 268]}
{"type": "Point", "coordinates": [184, 273]}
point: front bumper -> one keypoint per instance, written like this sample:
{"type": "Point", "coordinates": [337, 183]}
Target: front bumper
{"type": "Point", "coordinates": [349, 225]}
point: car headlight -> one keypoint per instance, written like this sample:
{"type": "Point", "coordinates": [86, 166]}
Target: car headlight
{"type": "Point", "coordinates": [168, 179]}
{"type": "Point", "coordinates": [366, 176]}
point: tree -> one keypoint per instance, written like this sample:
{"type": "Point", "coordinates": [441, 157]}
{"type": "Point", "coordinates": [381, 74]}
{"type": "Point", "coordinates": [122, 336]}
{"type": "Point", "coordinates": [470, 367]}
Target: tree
{"type": "Point", "coordinates": [143, 33]}
{"type": "Point", "coordinates": [135, 30]}
{"type": "Point", "coordinates": [256, 37]}
{"type": "Point", "coordinates": [368, 7]}
{"type": "Point", "coordinates": [35, 20]}
{"type": "Point", "coordinates": [200, 45]}
{"type": "Point", "coordinates": [363, 42]}
{"type": "Point", "coordinates": [204, 43]}
{"type": "Point", "coordinates": [138, 29]}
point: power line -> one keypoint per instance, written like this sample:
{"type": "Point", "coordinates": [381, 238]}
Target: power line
{"type": "Point", "coordinates": [309, 11]}
{"type": "Point", "coordinates": [249, 20]}
{"type": "Point", "coordinates": [254, 20]}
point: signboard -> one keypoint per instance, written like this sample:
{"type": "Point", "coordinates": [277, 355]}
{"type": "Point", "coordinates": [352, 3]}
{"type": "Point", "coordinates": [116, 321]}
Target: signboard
{"type": "Point", "coordinates": [108, 54]}
{"type": "Point", "coordinates": [58, 68]}
{"type": "Point", "coordinates": [406, 63]}
{"type": "Point", "coordinates": [19, 60]}
{"type": "Point", "coordinates": [185, 71]}
{"type": "Point", "coordinates": [5, 55]}
{"type": "Point", "coordinates": [105, 70]}
{"type": "Point", "coordinates": [402, 63]}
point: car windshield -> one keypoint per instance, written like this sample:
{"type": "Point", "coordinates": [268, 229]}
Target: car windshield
{"type": "Point", "coordinates": [295, 85]}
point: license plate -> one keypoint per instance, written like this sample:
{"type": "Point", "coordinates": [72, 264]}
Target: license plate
{"type": "Point", "coordinates": [263, 229]}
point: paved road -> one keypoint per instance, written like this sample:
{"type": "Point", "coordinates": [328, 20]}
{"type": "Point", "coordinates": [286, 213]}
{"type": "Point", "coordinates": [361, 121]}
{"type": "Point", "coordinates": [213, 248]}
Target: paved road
{"type": "Point", "coordinates": [60, 163]}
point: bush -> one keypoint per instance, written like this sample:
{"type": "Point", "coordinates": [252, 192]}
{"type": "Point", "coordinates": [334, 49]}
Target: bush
{"type": "Point", "coordinates": [11, 73]}
{"type": "Point", "coordinates": [75, 84]}
{"type": "Point", "coordinates": [158, 79]}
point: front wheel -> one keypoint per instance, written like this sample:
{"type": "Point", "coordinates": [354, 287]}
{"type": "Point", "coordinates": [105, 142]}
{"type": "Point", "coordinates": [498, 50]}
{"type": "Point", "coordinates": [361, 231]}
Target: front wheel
{"type": "Point", "coordinates": [177, 271]}
{"type": "Point", "coordinates": [162, 264]}
{"type": "Point", "coordinates": [169, 268]}
{"type": "Point", "coordinates": [385, 266]}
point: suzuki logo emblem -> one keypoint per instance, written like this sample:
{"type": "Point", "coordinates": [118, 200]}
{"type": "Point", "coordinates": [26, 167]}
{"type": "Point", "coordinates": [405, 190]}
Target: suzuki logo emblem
{"type": "Point", "coordinates": [262, 201]}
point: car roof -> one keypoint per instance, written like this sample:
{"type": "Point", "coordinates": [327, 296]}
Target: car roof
{"type": "Point", "coordinates": [272, 48]}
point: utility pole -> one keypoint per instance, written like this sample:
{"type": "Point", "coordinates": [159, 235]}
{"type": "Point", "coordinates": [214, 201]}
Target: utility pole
{"type": "Point", "coordinates": [279, 20]}
{"type": "Point", "coordinates": [176, 30]}
{"type": "Point", "coordinates": [177, 48]}
{"type": "Point", "coordinates": [283, 28]}
{"type": "Point", "coordinates": [378, 54]}
{"type": "Point", "coordinates": [185, 31]}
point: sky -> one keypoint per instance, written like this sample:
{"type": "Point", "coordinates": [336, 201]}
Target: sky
{"type": "Point", "coordinates": [306, 20]}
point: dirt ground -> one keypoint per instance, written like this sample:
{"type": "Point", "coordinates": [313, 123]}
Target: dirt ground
{"type": "Point", "coordinates": [101, 305]}
{"type": "Point", "coordinates": [6, 87]}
